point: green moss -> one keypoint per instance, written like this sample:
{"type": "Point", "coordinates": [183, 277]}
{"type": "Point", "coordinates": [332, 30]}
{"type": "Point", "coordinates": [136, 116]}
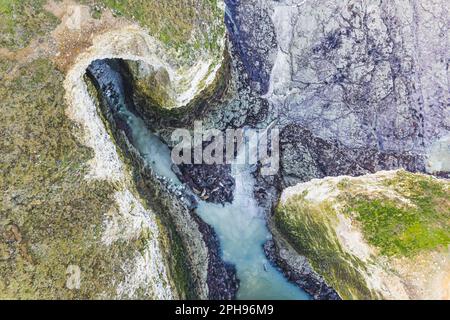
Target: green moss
{"type": "Point", "coordinates": [23, 20]}
{"type": "Point", "coordinates": [180, 24]}
{"type": "Point", "coordinates": [154, 85]}
{"type": "Point", "coordinates": [402, 215]}
{"type": "Point", "coordinates": [307, 228]}
{"type": "Point", "coordinates": [58, 213]}
{"type": "Point", "coordinates": [177, 265]}
{"type": "Point", "coordinates": [183, 25]}
{"type": "Point", "coordinates": [406, 229]}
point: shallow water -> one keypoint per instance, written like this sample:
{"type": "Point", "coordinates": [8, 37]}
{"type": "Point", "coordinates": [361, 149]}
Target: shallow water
{"type": "Point", "coordinates": [242, 231]}
{"type": "Point", "coordinates": [240, 226]}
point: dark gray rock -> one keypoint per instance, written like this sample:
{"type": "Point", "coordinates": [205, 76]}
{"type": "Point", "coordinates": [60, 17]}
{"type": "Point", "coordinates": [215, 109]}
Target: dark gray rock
{"type": "Point", "coordinates": [253, 35]}
{"type": "Point", "coordinates": [297, 269]}
{"type": "Point", "coordinates": [369, 77]}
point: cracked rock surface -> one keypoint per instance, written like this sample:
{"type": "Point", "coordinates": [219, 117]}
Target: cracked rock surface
{"type": "Point", "coordinates": [355, 87]}
{"type": "Point", "coordinates": [358, 75]}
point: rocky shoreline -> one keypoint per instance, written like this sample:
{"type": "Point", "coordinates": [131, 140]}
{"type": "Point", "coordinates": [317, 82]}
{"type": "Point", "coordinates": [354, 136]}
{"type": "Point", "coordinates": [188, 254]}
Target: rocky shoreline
{"type": "Point", "coordinates": [211, 277]}
{"type": "Point", "coordinates": [280, 253]}
{"type": "Point", "coordinates": [297, 269]}
{"type": "Point", "coordinates": [222, 281]}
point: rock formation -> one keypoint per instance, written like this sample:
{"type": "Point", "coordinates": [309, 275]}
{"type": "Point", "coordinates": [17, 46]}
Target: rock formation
{"type": "Point", "coordinates": [379, 236]}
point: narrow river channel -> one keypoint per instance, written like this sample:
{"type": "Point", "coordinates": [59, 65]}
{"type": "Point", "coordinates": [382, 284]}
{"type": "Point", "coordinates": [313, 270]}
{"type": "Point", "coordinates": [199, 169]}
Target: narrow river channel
{"type": "Point", "coordinates": [241, 225]}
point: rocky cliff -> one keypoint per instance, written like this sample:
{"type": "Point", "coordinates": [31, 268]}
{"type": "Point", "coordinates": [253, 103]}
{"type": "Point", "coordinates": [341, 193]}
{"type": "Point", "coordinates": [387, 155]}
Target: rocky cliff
{"type": "Point", "coordinates": [379, 236]}
{"type": "Point", "coordinates": [72, 221]}
{"type": "Point", "coordinates": [355, 86]}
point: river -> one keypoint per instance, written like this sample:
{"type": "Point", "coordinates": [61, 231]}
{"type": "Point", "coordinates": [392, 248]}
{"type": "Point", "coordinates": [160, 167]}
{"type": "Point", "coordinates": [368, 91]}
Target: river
{"type": "Point", "coordinates": [240, 225]}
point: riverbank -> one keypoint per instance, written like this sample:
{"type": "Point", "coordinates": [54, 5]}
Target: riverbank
{"type": "Point", "coordinates": [210, 277]}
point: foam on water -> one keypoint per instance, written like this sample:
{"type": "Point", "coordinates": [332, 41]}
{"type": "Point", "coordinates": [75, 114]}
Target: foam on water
{"type": "Point", "coordinates": [241, 226]}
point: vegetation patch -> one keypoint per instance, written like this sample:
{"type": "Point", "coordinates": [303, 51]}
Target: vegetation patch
{"type": "Point", "coordinates": [50, 215]}
{"type": "Point", "coordinates": [308, 228]}
{"type": "Point", "coordinates": [400, 215]}
{"type": "Point", "coordinates": [189, 27]}
{"type": "Point", "coordinates": [422, 223]}
{"type": "Point", "coordinates": [22, 21]}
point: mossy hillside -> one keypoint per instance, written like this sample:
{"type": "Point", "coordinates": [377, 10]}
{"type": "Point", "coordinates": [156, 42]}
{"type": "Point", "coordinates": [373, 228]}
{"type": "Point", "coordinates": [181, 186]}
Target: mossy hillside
{"type": "Point", "coordinates": [23, 20]}
{"type": "Point", "coordinates": [176, 263]}
{"type": "Point", "coordinates": [422, 223]}
{"type": "Point", "coordinates": [50, 215]}
{"type": "Point", "coordinates": [190, 27]}
{"type": "Point", "coordinates": [171, 244]}
{"type": "Point", "coordinates": [400, 214]}
{"type": "Point", "coordinates": [308, 228]}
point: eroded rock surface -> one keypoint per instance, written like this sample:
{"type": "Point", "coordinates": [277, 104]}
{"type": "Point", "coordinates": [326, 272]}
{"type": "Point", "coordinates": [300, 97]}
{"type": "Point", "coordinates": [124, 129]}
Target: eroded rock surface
{"type": "Point", "coordinates": [382, 235]}
{"type": "Point", "coordinates": [72, 222]}
{"type": "Point", "coordinates": [368, 79]}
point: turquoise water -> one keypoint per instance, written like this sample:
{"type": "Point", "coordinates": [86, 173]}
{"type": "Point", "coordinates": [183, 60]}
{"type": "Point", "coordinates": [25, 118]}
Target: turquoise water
{"type": "Point", "coordinates": [242, 231]}
{"type": "Point", "coordinates": [240, 226]}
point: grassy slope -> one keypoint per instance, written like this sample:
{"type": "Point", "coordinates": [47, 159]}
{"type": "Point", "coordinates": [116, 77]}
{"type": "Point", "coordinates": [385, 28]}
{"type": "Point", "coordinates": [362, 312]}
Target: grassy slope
{"type": "Point", "coordinates": [190, 27]}
{"type": "Point", "coordinates": [308, 228]}
{"type": "Point", "coordinates": [44, 193]}
{"type": "Point", "coordinates": [391, 227]}
{"type": "Point", "coordinates": [186, 25]}
{"type": "Point", "coordinates": [23, 20]}
{"type": "Point", "coordinates": [405, 230]}
{"type": "Point", "coordinates": [50, 216]}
